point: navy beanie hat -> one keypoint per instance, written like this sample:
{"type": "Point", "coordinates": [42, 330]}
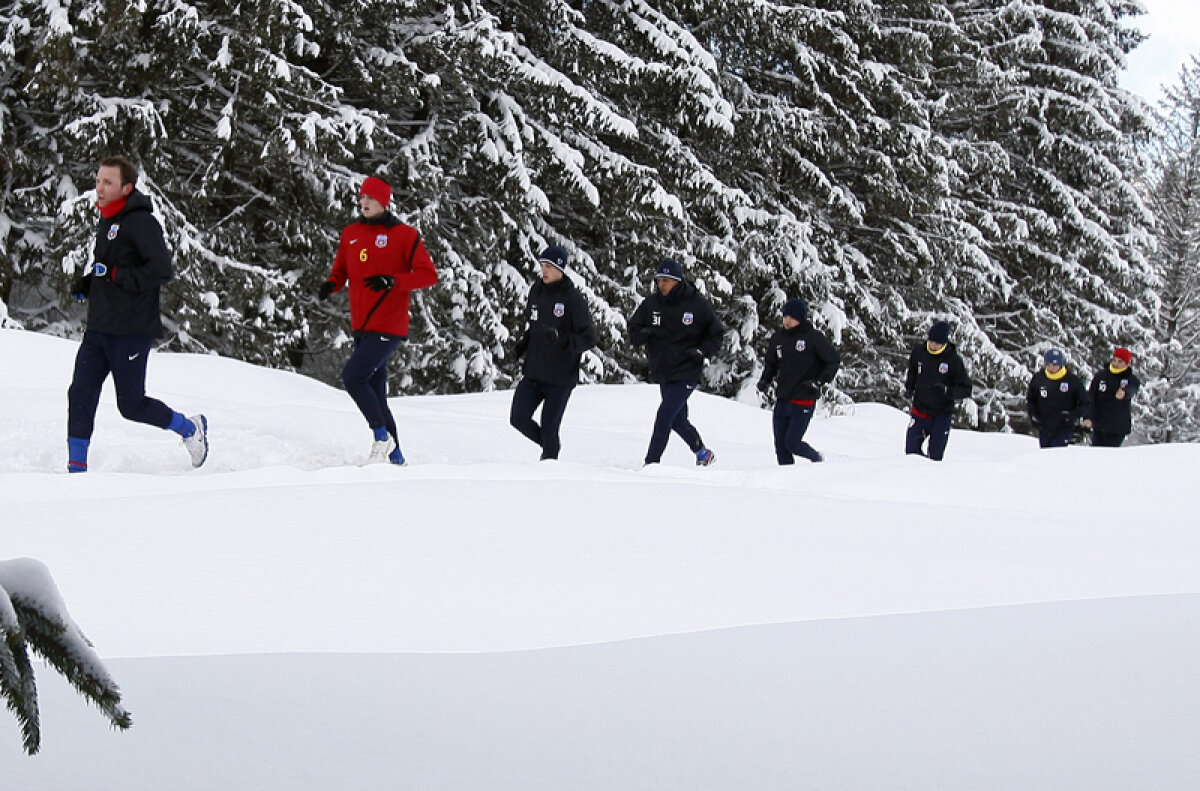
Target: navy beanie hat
{"type": "Point", "coordinates": [669, 268]}
{"type": "Point", "coordinates": [1055, 357]}
{"type": "Point", "coordinates": [796, 308]}
{"type": "Point", "coordinates": [940, 332]}
{"type": "Point", "coordinates": [555, 256]}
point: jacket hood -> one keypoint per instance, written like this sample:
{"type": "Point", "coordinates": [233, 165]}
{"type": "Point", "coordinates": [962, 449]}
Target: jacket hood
{"type": "Point", "coordinates": [681, 291]}
{"type": "Point", "coordinates": [137, 201]}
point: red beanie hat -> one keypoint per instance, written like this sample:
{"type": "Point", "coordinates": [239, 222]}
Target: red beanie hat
{"type": "Point", "coordinates": [1123, 354]}
{"type": "Point", "coordinates": [378, 189]}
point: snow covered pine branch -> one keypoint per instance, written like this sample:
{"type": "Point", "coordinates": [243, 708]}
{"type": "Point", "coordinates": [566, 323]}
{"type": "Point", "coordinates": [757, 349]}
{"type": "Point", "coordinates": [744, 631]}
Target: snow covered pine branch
{"type": "Point", "coordinates": [33, 615]}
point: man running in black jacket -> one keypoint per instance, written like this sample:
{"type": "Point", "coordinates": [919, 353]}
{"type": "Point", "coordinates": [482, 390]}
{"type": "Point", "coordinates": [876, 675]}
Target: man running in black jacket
{"type": "Point", "coordinates": [937, 378]}
{"type": "Point", "coordinates": [804, 359]}
{"type": "Point", "coordinates": [131, 264]}
{"type": "Point", "coordinates": [681, 333]}
{"type": "Point", "coordinates": [1112, 391]}
{"type": "Point", "coordinates": [559, 332]}
{"type": "Point", "coordinates": [1057, 400]}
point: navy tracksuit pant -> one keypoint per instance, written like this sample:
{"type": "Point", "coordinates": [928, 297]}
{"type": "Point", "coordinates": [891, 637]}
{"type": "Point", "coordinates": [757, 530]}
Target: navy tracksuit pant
{"type": "Point", "coordinates": [1106, 439]}
{"type": "Point", "coordinates": [673, 416]}
{"type": "Point", "coordinates": [365, 378]}
{"type": "Point", "coordinates": [1055, 439]}
{"type": "Point", "coordinates": [123, 356]}
{"type": "Point", "coordinates": [553, 400]}
{"type": "Point", "coordinates": [935, 428]}
{"type": "Point", "coordinates": [790, 422]}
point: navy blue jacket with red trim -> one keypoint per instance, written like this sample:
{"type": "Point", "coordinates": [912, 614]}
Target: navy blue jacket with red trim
{"type": "Point", "coordinates": [131, 245]}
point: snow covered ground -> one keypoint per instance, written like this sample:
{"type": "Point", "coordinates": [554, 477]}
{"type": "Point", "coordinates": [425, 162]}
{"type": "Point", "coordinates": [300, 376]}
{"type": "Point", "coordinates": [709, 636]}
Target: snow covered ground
{"type": "Point", "coordinates": [283, 618]}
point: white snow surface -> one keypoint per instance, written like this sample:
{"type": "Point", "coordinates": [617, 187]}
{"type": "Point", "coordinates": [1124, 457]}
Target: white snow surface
{"type": "Point", "coordinates": [285, 618]}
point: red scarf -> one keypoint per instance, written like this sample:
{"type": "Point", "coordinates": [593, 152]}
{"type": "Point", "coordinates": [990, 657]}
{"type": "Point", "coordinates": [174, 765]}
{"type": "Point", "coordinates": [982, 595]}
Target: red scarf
{"type": "Point", "coordinates": [112, 209]}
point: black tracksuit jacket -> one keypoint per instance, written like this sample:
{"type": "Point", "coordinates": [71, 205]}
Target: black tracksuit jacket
{"type": "Point", "coordinates": [803, 358]}
{"type": "Point", "coordinates": [672, 328]}
{"type": "Point", "coordinates": [935, 381]}
{"type": "Point", "coordinates": [560, 330]}
{"type": "Point", "coordinates": [131, 245]}
{"type": "Point", "coordinates": [1109, 413]}
{"type": "Point", "coordinates": [1055, 405]}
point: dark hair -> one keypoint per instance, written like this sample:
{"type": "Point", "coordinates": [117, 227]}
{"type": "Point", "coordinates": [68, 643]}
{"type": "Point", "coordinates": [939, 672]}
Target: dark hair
{"type": "Point", "coordinates": [129, 171]}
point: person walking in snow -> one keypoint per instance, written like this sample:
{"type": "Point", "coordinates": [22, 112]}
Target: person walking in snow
{"type": "Point", "coordinates": [681, 333]}
{"type": "Point", "coordinates": [1057, 400]}
{"type": "Point", "coordinates": [937, 378]}
{"type": "Point", "coordinates": [804, 359]}
{"type": "Point", "coordinates": [1111, 394]}
{"type": "Point", "coordinates": [559, 332]}
{"type": "Point", "coordinates": [384, 261]}
{"type": "Point", "coordinates": [131, 264]}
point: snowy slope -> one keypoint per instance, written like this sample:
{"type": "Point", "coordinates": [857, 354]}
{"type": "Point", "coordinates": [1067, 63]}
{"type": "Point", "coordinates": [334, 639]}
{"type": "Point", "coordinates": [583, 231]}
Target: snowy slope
{"type": "Point", "coordinates": [282, 618]}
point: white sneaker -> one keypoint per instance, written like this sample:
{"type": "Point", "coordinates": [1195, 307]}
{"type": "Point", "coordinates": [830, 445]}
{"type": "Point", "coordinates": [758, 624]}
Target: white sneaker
{"type": "Point", "coordinates": [380, 450]}
{"type": "Point", "coordinates": [197, 444]}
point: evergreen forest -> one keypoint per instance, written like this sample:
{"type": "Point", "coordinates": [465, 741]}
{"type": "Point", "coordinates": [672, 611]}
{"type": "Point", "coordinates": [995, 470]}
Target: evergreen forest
{"type": "Point", "coordinates": [893, 162]}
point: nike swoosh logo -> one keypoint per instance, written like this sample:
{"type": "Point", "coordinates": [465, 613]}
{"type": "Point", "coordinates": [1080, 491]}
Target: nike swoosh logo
{"type": "Point", "coordinates": [354, 241]}
{"type": "Point", "coordinates": [384, 338]}
{"type": "Point", "coordinates": [135, 356]}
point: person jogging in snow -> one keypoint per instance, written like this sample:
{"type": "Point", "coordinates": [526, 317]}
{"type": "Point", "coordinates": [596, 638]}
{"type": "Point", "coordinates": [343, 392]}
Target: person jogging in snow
{"type": "Point", "coordinates": [560, 330]}
{"type": "Point", "coordinates": [804, 359]}
{"type": "Point", "coordinates": [384, 261]}
{"type": "Point", "coordinates": [937, 378]}
{"type": "Point", "coordinates": [1056, 401]}
{"type": "Point", "coordinates": [131, 263]}
{"type": "Point", "coordinates": [681, 332]}
{"type": "Point", "coordinates": [1111, 394]}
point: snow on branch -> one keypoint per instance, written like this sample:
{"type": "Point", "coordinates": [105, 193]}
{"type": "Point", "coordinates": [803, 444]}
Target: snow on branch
{"type": "Point", "coordinates": [34, 616]}
{"type": "Point", "coordinates": [108, 112]}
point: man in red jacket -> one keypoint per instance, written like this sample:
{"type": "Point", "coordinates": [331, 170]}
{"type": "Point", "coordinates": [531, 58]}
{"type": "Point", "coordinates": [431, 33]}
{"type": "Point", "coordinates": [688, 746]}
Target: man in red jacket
{"type": "Point", "coordinates": [384, 261]}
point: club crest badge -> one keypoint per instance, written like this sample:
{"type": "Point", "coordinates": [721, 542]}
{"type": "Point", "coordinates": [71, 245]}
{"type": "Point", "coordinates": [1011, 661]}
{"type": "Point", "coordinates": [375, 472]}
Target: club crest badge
{"type": "Point", "coordinates": [944, 368]}
{"type": "Point", "coordinates": [1064, 387]}
{"type": "Point", "coordinates": [559, 309]}
{"type": "Point", "coordinates": [112, 230]}
{"type": "Point", "coordinates": [381, 240]}
{"type": "Point", "coordinates": [1124, 383]}
{"type": "Point", "coordinates": [688, 318]}
{"type": "Point", "coordinates": [801, 345]}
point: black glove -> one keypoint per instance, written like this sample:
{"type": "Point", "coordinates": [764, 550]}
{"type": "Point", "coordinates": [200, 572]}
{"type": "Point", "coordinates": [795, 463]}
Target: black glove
{"type": "Point", "coordinates": [327, 288]}
{"type": "Point", "coordinates": [697, 356]}
{"type": "Point", "coordinates": [379, 282]}
{"type": "Point", "coordinates": [81, 288]}
{"type": "Point", "coordinates": [521, 346]}
{"type": "Point", "coordinates": [763, 386]}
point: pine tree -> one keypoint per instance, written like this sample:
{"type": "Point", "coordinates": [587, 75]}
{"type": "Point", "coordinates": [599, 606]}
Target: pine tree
{"type": "Point", "coordinates": [1173, 394]}
{"type": "Point", "coordinates": [1052, 190]}
{"type": "Point", "coordinates": [892, 162]}
{"type": "Point", "coordinates": [33, 616]}
{"type": "Point", "coordinates": [243, 148]}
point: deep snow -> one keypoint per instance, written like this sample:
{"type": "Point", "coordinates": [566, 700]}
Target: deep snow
{"type": "Point", "coordinates": [283, 618]}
